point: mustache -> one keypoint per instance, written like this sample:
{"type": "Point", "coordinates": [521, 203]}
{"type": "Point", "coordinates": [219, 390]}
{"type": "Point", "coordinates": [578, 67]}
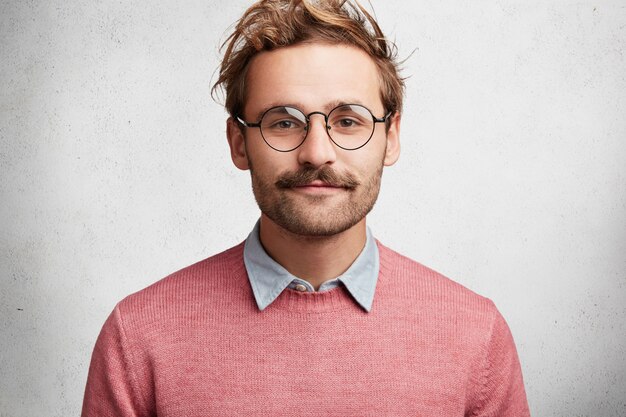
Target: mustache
{"type": "Point", "coordinates": [325, 174]}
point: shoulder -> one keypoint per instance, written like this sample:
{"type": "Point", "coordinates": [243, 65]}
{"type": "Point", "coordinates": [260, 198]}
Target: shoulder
{"type": "Point", "coordinates": [423, 286]}
{"type": "Point", "coordinates": [196, 283]}
{"type": "Point", "coordinates": [438, 306]}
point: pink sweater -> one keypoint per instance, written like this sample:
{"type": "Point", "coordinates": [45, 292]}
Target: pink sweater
{"type": "Point", "coordinates": [196, 344]}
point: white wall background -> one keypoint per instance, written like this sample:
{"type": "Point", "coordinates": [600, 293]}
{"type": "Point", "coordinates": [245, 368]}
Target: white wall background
{"type": "Point", "coordinates": [115, 172]}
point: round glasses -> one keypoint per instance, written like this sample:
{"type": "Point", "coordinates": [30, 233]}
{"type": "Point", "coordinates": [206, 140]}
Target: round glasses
{"type": "Point", "coordinates": [349, 126]}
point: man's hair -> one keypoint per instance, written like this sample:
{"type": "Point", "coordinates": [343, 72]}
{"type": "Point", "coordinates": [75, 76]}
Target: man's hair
{"type": "Point", "coordinates": [272, 24]}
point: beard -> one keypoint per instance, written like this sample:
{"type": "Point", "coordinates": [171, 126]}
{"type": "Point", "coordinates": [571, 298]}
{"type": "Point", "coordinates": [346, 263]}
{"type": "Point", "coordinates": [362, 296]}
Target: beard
{"type": "Point", "coordinates": [316, 215]}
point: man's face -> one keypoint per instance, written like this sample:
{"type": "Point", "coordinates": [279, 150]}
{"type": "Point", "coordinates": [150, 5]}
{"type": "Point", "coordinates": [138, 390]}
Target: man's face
{"type": "Point", "coordinates": [318, 189]}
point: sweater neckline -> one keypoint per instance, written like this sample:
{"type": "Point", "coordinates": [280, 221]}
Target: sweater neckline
{"type": "Point", "coordinates": [335, 299]}
{"type": "Point", "coordinates": [269, 279]}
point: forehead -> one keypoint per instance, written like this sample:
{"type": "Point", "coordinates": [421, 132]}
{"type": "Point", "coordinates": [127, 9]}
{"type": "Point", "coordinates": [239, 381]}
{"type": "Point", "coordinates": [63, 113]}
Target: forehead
{"type": "Point", "coordinates": [312, 76]}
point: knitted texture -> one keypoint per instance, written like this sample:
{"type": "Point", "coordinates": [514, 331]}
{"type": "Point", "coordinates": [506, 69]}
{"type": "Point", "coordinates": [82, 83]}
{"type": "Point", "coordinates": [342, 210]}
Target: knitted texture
{"type": "Point", "coordinates": [196, 344]}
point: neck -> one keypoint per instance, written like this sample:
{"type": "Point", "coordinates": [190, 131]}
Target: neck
{"type": "Point", "coordinates": [312, 258]}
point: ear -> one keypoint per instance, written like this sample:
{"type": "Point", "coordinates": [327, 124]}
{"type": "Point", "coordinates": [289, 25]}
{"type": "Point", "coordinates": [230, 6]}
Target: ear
{"type": "Point", "coordinates": [237, 144]}
{"type": "Point", "coordinates": [392, 152]}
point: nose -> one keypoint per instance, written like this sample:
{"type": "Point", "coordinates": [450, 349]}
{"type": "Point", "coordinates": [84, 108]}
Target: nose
{"type": "Point", "coordinates": [317, 149]}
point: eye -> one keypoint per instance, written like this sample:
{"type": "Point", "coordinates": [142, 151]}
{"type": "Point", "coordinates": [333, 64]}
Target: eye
{"type": "Point", "coordinates": [347, 123]}
{"type": "Point", "coordinates": [285, 124]}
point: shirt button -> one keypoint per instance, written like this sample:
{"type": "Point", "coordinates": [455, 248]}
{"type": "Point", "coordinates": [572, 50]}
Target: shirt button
{"type": "Point", "coordinates": [300, 287]}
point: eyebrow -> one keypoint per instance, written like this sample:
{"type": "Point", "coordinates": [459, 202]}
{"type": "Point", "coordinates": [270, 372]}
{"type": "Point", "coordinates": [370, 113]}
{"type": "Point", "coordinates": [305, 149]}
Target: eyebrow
{"type": "Point", "coordinates": [326, 108]}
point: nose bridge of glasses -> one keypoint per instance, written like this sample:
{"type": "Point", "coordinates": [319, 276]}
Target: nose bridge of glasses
{"type": "Point", "coordinates": [308, 119]}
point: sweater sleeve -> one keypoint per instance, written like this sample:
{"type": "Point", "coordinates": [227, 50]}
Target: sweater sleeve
{"type": "Point", "coordinates": [501, 393]}
{"type": "Point", "coordinates": [112, 388]}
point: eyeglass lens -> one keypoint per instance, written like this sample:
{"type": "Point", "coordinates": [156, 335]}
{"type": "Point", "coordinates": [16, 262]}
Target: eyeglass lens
{"type": "Point", "coordinates": [349, 126]}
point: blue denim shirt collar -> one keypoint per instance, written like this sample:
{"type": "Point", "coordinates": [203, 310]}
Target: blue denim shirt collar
{"type": "Point", "coordinates": [269, 279]}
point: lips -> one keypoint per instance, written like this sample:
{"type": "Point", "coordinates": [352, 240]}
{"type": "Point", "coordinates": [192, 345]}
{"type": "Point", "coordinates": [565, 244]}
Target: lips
{"type": "Point", "coordinates": [317, 179]}
{"type": "Point", "coordinates": [318, 184]}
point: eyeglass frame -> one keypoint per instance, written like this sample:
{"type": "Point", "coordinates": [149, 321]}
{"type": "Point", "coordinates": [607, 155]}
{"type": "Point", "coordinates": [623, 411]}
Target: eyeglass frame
{"type": "Point", "coordinates": [308, 125]}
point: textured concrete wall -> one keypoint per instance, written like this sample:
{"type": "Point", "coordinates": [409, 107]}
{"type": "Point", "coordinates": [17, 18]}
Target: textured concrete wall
{"type": "Point", "coordinates": [115, 172]}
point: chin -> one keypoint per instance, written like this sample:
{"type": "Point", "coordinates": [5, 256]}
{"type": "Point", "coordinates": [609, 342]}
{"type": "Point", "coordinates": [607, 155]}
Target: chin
{"type": "Point", "coordinates": [325, 223]}
{"type": "Point", "coordinates": [316, 230]}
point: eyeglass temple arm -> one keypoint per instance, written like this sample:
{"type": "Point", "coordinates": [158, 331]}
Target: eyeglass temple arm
{"type": "Point", "coordinates": [382, 119]}
{"type": "Point", "coordinates": [247, 124]}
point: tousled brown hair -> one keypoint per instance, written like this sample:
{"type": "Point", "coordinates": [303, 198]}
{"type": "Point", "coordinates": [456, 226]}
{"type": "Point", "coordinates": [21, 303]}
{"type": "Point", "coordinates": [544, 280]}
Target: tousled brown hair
{"type": "Point", "coordinates": [271, 24]}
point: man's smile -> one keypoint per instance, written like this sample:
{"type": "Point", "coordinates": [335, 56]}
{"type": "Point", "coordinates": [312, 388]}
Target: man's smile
{"type": "Point", "coordinates": [318, 187]}
{"type": "Point", "coordinates": [323, 178]}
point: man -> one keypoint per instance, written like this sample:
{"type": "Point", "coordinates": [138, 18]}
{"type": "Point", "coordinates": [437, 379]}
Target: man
{"type": "Point", "coordinates": [310, 315]}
